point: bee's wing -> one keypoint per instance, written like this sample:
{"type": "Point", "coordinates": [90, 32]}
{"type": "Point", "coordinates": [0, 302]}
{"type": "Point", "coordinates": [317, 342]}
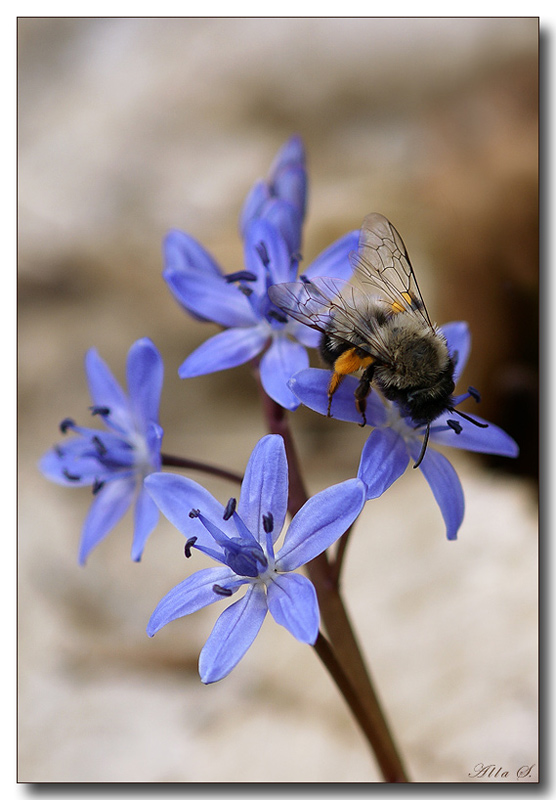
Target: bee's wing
{"type": "Point", "coordinates": [316, 302]}
{"type": "Point", "coordinates": [382, 261]}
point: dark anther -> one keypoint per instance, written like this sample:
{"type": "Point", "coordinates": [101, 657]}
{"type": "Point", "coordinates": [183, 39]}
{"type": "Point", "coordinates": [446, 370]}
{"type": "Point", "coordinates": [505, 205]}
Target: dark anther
{"type": "Point", "coordinates": [67, 474]}
{"type": "Point", "coordinates": [241, 275]}
{"type": "Point", "coordinates": [221, 590]}
{"type": "Point", "coordinates": [101, 448]}
{"type": "Point", "coordinates": [104, 411]}
{"type": "Point", "coordinates": [277, 315]}
{"type": "Point", "coordinates": [188, 545]}
{"type": "Point", "coordinates": [454, 425]}
{"type": "Point", "coordinates": [263, 253]}
{"type": "Point", "coordinates": [474, 394]}
{"type": "Point", "coordinates": [245, 290]}
{"type": "Point", "coordinates": [65, 424]}
{"type": "Point", "coordinates": [304, 279]}
{"type": "Point", "coordinates": [194, 513]}
{"type": "Point", "coordinates": [97, 486]}
{"type": "Point", "coordinates": [230, 508]}
{"type": "Point", "coordinates": [268, 522]}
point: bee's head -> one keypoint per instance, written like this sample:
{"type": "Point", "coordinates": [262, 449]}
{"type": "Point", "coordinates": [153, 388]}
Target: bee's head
{"type": "Point", "coordinates": [423, 405]}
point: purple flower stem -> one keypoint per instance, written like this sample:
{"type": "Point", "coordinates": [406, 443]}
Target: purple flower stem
{"type": "Point", "coordinates": [186, 463]}
{"type": "Point", "coordinates": [342, 656]}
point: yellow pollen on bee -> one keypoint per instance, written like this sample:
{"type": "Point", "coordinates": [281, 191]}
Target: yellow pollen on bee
{"type": "Point", "coordinates": [349, 361]}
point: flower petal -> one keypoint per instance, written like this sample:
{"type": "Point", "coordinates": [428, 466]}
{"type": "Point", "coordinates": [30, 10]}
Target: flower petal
{"type": "Point", "coordinates": [480, 440]}
{"type": "Point", "coordinates": [383, 459]}
{"type": "Point", "coordinates": [107, 509]}
{"type": "Point", "coordinates": [261, 232]}
{"type": "Point", "coordinates": [445, 485]}
{"type": "Point", "coordinates": [183, 253]}
{"type": "Point", "coordinates": [176, 496]}
{"type": "Point", "coordinates": [459, 341]}
{"type": "Point", "coordinates": [225, 350]}
{"type": "Point", "coordinates": [282, 360]}
{"type": "Point", "coordinates": [145, 374]}
{"type": "Point", "coordinates": [233, 634]}
{"type": "Point", "coordinates": [310, 386]}
{"type": "Point", "coordinates": [106, 392]}
{"type": "Point", "coordinates": [334, 261]}
{"type": "Point", "coordinates": [192, 594]}
{"type": "Point", "coordinates": [198, 283]}
{"type": "Point", "coordinates": [210, 297]}
{"type": "Point", "coordinates": [71, 459]}
{"type": "Point", "coordinates": [265, 487]}
{"type": "Point", "coordinates": [292, 601]}
{"type": "Point", "coordinates": [146, 518]}
{"type": "Point", "coordinates": [322, 520]}
{"type": "Point", "coordinates": [286, 218]}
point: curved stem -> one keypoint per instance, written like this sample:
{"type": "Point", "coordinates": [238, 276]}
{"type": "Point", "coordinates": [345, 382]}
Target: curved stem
{"type": "Point", "coordinates": [366, 723]}
{"type": "Point", "coordinates": [343, 651]}
{"type": "Point", "coordinates": [186, 463]}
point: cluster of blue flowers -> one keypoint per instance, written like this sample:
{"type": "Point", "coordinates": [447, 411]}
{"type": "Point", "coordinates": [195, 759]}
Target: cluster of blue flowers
{"type": "Point", "coordinates": [123, 462]}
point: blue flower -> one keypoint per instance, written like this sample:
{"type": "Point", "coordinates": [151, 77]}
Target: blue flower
{"type": "Point", "coordinates": [271, 229]}
{"type": "Point", "coordinates": [243, 540]}
{"type": "Point", "coordinates": [115, 461]}
{"type": "Point", "coordinates": [282, 197]}
{"type": "Point", "coordinates": [394, 440]}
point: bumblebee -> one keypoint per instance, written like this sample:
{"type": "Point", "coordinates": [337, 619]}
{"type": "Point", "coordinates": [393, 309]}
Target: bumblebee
{"type": "Point", "coordinates": [381, 330]}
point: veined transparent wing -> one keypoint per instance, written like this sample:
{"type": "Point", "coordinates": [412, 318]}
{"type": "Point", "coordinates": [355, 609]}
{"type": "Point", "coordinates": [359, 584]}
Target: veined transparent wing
{"type": "Point", "coordinates": [382, 262]}
{"type": "Point", "coordinates": [331, 305]}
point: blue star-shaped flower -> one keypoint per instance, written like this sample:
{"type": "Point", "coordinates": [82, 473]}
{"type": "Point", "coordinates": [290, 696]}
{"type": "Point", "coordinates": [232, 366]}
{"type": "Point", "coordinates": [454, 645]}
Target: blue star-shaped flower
{"type": "Point", "coordinates": [270, 223]}
{"type": "Point", "coordinates": [394, 439]}
{"type": "Point", "coordinates": [115, 461]}
{"type": "Point", "coordinates": [243, 540]}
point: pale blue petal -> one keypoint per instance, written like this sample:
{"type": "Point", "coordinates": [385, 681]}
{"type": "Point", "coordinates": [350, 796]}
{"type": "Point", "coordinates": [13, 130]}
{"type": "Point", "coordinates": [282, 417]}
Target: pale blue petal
{"type": "Point", "coordinates": [334, 261]}
{"type": "Point", "coordinates": [290, 184]}
{"type": "Point", "coordinates": [146, 518]}
{"type": "Point", "coordinates": [383, 459]}
{"type": "Point", "coordinates": [458, 339]}
{"type": "Point", "coordinates": [445, 485]}
{"type": "Point", "coordinates": [265, 487]}
{"type": "Point", "coordinates": [307, 336]}
{"type": "Point", "coordinates": [322, 520]}
{"type": "Point", "coordinates": [233, 634]}
{"type": "Point", "coordinates": [183, 253]}
{"type": "Point", "coordinates": [310, 386]}
{"type": "Point", "coordinates": [224, 351]}
{"type": "Point", "coordinates": [145, 374]}
{"type": "Point", "coordinates": [291, 154]}
{"type": "Point", "coordinates": [75, 462]}
{"type": "Point", "coordinates": [176, 496]}
{"type": "Point", "coordinates": [190, 595]}
{"type": "Point", "coordinates": [280, 362]}
{"type": "Point", "coordinates": [292, 601]}
{"type": "Point", "coordinates": [491, 440]}
{"type": "Point", "coordinates": [106, 392]}
{"type": "Point", "coordinates": [262, 231]}
{"type": "Point", "coordinates": [286, 218]}
{"type": "Point", "coordinates": [107, 509]}
{"type": "Point", "coordinates": [254, 202]}
{"type": "Point", "coordinates": [211, 297]}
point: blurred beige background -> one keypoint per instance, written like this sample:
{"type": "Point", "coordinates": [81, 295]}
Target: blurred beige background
{"type": "Point", "coordinates": [129, 127]}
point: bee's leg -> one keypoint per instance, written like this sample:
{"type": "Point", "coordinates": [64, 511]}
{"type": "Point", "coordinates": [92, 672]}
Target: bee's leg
{"type": "Point", "coordinates": [335, 381]}
{"type": "Point", "coordinates": [362, 392]}
{"type": "Point", "coordinates": [349, 361]}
